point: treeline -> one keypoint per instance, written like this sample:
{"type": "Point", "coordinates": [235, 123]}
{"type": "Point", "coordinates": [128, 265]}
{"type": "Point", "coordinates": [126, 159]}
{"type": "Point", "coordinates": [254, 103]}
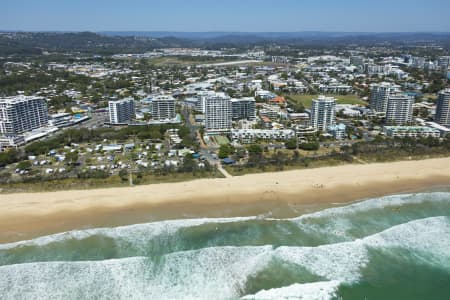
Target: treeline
{"type": "Point", "coordinates": [397, 148]}
{"type": "Point", "coordinates": [84, 135]}
{"type": "Point", "coordinates": [379, 150]}
{"type": "Point", "coordinates": [280, 159]}
{"type": "Point", "coordinates": [9, 157]}
{"type": "Point", "coordinates": [31, 43]}
{"type": "Point", "coordinates": [28, 81]}
{"type": "Point", "coordinates": [33, 80]}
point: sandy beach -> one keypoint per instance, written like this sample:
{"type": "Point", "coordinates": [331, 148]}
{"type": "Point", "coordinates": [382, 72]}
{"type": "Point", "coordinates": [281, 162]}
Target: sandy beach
{"type": "Point", "coordinates": [26, 215]}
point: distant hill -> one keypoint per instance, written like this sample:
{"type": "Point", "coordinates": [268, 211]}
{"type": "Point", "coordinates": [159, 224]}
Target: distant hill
{"type": "Point", "coordinates": [85, 42]}
{"type": "Point", "coordinates": [280, 36]}
{"type": "Point", "coordinates": [29, 43]}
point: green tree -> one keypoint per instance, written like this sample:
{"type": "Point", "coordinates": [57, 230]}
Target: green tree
{"type": "Point", "coordinates": [291, 144]}
{"type": "Point", "coordinates": [254, 149]}
{"type": "Point", "coordinates": [72, 157]}
{"type": "Point", "coordinates": [24, 165]}
{"type": "Point", "coordinates": [123, 174]}
{"type": "Point", "coordinates": [225, 151]}
{"type": "Point", "coordinates": [312, 146]}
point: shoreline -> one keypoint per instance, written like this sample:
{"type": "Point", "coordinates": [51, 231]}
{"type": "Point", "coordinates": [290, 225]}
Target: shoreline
{"type": "Point", "coordinates": [280, 194]}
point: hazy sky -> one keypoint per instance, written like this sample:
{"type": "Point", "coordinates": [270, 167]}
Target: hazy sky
{"type": "Point", "coordinates": [226, 15]}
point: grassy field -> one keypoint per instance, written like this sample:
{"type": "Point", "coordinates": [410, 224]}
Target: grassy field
{"type": "Point", "coordinates": [306, 100]}
{"type": "Point", "coordinates": [222, 140]}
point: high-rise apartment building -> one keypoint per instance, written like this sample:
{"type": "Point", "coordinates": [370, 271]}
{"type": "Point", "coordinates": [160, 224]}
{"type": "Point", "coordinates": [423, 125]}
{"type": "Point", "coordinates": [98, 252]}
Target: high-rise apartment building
{"type": "Point", "coordinates": [399, 109]}
{"type": "Point", "coordinates": [443, 108]}
{"type": "Point", "coordinates": [121, 111]}
{"type": "Point", "coordinates": [163, 108]}
{"type": "Point", "coordinates": [243, 109]}
{"type": "Point", "coordinates": [217, 112]}
{"type": "Point", "coordinates": [19, 114]}
{"type": "Point", "coordinates": [323, 112]}
{"type": "Point", "coordinates": [379, 95]}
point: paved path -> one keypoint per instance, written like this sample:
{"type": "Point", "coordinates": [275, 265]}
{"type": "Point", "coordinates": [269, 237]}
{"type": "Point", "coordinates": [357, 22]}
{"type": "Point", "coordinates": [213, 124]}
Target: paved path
{"type": "Point", "coordinates": [223, 171]}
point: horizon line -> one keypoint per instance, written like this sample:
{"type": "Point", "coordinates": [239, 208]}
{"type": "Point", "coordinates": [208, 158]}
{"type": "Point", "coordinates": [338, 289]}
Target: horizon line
{"type": "Point", "coordinates": [217, 31]}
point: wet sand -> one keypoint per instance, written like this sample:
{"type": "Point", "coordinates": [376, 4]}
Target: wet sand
{"type": "Point", "coordinates": [281, 194]}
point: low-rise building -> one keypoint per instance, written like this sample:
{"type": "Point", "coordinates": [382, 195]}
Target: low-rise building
{"type": "Point", "coordinates": [411, 131]}
{"type": "Point", "coordinates": [250, 135]}
{"type": "Point", "coordinates": [338, 131]}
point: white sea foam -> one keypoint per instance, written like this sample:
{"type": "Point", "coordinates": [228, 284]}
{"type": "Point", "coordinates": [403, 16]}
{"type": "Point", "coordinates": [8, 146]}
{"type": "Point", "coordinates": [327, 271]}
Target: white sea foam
{"type": "Point", "coordinates": [210, 273]}
{"type": "Point", "coordinates": [338, 222]}
{"type": "Point", "coordinates": [428, 239]}
{"type": "Point", "coordinates": [308, 291]}
{"type": "Point", "coordinates": [131, 233]}
{"type": "Point", "coordinates": [218, 272]}
{"type": "Point", "coordinates": [339, 225]}
{"type": "Point", "coordinates": [379, 203]}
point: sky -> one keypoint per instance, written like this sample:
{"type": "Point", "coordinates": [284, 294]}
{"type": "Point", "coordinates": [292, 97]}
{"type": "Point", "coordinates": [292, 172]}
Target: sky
{"type": "Point", "coordinates": [226, 15]}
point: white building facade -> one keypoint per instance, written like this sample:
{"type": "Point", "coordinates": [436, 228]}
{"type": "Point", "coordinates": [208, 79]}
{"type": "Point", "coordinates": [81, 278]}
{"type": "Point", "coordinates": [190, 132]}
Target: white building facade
{"type": "Point", "coordinates": [399, 109]}
{"type": "Point", "coordinates": [20, 114]}
{"type": "Point", "coordinates": [379, 96]}
{"type": "Point", "coordinates": [218, 112]}
{"type": "Point", "coordinates": [163, 108]}
{"type": "Point", "coordinates": [323, 112]}
{"type": "Point", "coordinates": [121, 111]}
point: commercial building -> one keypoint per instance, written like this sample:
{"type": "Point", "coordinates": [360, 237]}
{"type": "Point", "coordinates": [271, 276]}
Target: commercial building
{"type": "Point", "coordinates": [20, 114]}
{"type": "Point", "coordinates": [217, 112]}
{"type": "Point", "coordinates": [443, 108]}
{"type": "Point", "coordinates": [243, 109]}
{"type": "Point", "coordinates": [163, 108]}
{"type": "Point", "coordinates": [399, 109]}
{"type": "Point", "coordinates": [379, 95]}
{"type": "Point", "coordinates": [323, 112]}
{"type": "Point", "coordinates": [121, 111]}
{"type": "Point", "coordinates": [411, 131]}
{"type": "Point", "coordinates": [61, 120]}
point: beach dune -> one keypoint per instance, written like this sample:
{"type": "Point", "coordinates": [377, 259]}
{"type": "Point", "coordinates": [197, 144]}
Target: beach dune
{"type": "Point", "coordinates": [25, 215]}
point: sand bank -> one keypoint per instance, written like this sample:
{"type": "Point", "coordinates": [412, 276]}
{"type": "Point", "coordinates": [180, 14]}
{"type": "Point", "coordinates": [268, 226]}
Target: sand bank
{"type": "Point", "coordinates": [26, 215]}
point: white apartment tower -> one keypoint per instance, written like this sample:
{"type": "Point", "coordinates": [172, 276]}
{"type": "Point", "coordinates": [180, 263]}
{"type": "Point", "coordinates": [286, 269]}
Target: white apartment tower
{"type": "Point", "coordinates": [217, 112]}
{"type": "Point", "coordinates": [379, 95]}
{"type": "Point", "coordinates": [399, 109]}
{"type": "Point", "coordinates": [443, 108]}
{"type": "Point", "coordinates": [323, 112]}
{"type": "Point", "coordinates": [20, 114]}
{"type": "Point", "coordinates": [201, 100]}
{"type": "Point", "coordinates": [121, 111]}
{"type": "Point", "coordinates": [163, 108]}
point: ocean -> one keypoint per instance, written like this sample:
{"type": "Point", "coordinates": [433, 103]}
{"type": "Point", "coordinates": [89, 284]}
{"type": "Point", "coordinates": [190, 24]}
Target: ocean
{"type": "Point", "coordinates": [393, 247]}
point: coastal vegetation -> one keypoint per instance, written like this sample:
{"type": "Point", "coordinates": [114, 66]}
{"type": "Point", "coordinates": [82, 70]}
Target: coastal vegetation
{"type": "Point", "coordinates": [378, 150]}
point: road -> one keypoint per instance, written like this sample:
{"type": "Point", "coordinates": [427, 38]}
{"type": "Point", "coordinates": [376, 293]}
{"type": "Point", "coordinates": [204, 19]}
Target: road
{"type": "Point", "coordinates": [204, 151]}
{"type": "Point", "coordinates": [97, 120]}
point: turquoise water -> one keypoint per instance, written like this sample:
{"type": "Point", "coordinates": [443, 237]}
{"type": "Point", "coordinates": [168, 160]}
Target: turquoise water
{"type": "Point", "coordinates": [395, 247]}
